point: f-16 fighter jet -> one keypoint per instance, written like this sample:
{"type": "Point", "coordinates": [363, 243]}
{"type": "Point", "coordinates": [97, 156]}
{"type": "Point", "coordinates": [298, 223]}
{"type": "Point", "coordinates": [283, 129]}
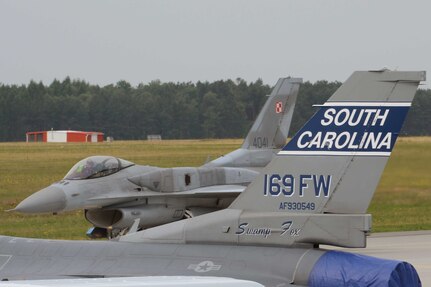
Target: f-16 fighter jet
{"type": "Point", "coordinates": [116, 192]}
{"type": "Point", "coordinates": [316, 190]}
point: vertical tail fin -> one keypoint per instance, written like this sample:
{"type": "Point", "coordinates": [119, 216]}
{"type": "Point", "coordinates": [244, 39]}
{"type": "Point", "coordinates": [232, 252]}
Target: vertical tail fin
{"type": "Point", "coordinates": [318, 187]}
{"type": "Point", "coordinates": [269, 131]}
{"type": "Point", "coordinates": [334, 163]}
{"type": "Point", "coordinates": [273, 122]}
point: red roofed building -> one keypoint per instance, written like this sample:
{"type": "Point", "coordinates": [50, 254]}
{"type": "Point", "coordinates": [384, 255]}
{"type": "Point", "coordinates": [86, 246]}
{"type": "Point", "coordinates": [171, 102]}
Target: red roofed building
{"type": "Point", "coordinates": [64, 136]}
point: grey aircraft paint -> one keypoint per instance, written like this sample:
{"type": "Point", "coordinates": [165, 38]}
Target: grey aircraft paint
{"type": "Point", "coordinates": [115, 192]}
{"type": "Point", "coordinates": [318, 187]}
{"type": "Point", "coordinates": [269, 131]}
{"type": "Point", "coordinates": [42, 259]}
{"type": "Point", "coordinates": [258, 237]}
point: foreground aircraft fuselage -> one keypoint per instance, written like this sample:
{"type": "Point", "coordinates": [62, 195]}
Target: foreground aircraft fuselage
{"type": "Point", "coordinates": [115, 193]}
{"type": "Point", "coordinates": [315, 191]}
{"type": "Point", "coordinates": [269, 266]}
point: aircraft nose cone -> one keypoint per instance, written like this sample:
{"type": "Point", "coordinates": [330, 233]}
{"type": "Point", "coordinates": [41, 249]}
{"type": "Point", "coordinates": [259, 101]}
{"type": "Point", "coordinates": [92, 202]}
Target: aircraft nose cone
{"type": "Point", "coordinates": [50, 199]}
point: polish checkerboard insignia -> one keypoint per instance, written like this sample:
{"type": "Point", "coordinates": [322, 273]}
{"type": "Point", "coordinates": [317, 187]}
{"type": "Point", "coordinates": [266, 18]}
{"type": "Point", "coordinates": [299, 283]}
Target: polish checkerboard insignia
{"type": "Point", "coordinates": [278, 107]}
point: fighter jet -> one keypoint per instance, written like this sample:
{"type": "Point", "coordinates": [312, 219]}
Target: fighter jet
{"type": "Point", "coordinates": [316, 190]}
{"type": "Point", "coordinates": [115, 192]}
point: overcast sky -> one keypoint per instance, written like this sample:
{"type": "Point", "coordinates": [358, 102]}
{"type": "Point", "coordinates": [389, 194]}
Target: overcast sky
{"type": "Point", "coordinates": [105, 41]}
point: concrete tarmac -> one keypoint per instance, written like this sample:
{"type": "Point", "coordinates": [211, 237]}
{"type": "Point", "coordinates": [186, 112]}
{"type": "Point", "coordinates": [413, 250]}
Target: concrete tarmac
{"type": "Point", "coordinates": [413, 247]}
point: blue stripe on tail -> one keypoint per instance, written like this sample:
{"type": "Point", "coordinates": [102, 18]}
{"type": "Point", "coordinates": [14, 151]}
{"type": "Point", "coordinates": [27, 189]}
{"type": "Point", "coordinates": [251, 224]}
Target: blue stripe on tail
{"type": "Point", "coordinates": [350, 129]}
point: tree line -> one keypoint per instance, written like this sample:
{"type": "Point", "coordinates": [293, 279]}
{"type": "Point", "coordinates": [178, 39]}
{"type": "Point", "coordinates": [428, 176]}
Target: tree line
{"type": "Point", "coordinates": [220, 109]}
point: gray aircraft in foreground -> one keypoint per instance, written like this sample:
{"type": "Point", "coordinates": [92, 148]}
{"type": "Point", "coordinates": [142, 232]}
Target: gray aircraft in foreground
{"type": "Point", "coordinates": [316, 190]}
{"type": "Point", "coordinates": [115, 192]}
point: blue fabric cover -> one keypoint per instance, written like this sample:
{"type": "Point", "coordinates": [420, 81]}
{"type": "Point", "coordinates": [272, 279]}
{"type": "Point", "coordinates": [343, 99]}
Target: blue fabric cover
{"type": "Point", "coordinates": [336, 268]}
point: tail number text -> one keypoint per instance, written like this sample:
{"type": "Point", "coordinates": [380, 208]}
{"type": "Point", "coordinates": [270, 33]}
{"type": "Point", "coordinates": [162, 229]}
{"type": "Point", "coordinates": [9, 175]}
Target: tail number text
{"type": "Point", "coordinates": [287, 185]}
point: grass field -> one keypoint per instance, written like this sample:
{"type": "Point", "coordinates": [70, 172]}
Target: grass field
{"type": "Point", "coordinates": [402, 201]}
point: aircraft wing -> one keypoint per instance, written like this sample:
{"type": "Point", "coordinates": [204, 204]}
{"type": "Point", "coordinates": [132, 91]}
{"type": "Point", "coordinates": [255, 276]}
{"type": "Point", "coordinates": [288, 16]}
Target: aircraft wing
{"type": "Point", "coordinates": [160, 281]}
{"type": "Point", "coordinates": [217, 191]}
{"type": "Point", "coordinates": [212, 191]}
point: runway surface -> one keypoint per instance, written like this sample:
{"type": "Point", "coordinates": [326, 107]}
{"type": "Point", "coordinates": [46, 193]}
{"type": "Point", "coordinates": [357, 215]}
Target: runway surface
{"type": "Point", "coordinates": [413, 247]}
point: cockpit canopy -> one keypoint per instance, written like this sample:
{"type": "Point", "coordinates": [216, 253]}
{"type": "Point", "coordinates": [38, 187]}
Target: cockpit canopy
{"type": "Point", "coordinates": [97, 166]}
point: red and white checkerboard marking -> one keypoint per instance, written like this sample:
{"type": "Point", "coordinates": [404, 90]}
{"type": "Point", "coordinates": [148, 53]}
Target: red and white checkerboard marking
{"type": "Point", "coordinates": [278, 107]}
